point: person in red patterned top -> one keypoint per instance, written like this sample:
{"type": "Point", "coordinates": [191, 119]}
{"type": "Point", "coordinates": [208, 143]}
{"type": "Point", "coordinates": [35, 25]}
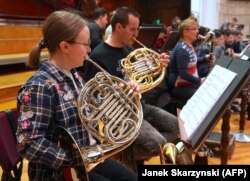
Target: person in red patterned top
{"type": "Point", "coordinates": [183, 79]}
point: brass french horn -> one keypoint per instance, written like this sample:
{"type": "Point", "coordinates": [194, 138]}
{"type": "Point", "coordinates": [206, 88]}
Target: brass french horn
{"type": "Point", "coordinates": [143, 66]}
{"type": "Point", "coordinates": [111, 114]}
{"type": "Point", "coordinates": [119, 109]}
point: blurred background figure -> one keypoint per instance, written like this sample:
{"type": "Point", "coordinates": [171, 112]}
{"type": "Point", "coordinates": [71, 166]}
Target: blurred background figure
{"type": "Point", "coordinates": [97, 26]}
{"type": "Point", "coordinates": [108, 30]}
{"type": "Point", "coordinates": [162, 37]}
{"type": "Point", "coordinates": [228, 42]}
{"type": "Point", "coordinates": [219, 46]}
{"type": "Point", "coordinates": [238, 44]}
{"type": "Point", "coordinates": [229, 24]}
{"type": "Point", "coordinates": [174, 24]}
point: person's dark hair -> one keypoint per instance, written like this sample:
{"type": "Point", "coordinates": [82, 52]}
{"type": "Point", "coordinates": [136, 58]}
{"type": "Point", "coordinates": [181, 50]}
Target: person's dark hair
{"type": "Point", "coordinates": [227, 32]}
{"type": "Point", "coordinates": [99, 12]}
{"type": "Point", "coordinates": [217, 33]}
{"type": "Point", "coordinates": [236, 32]}
{"type": "Point", "coordinates": [175, 22]}
{"type": "Point", "coordinates": [121, 16]}
{"type": "Point", "coordinates": [62, 25]}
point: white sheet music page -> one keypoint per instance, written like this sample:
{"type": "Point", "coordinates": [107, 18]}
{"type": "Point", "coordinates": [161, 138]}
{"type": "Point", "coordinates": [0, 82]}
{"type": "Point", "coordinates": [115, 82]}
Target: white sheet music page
{"type": "Point", "coordinates": [199, 105]}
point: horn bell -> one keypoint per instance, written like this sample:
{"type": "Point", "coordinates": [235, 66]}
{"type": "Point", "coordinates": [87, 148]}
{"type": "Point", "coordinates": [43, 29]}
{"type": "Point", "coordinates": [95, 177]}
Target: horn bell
{"type": "Point", "coordinates": [144, 66]}
{"type": "Point", "coordinates": [111, 114]}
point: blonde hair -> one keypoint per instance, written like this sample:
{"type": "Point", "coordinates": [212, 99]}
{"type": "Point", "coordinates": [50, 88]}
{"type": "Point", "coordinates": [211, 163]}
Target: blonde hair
{"type": "Point", "coordinates": [185, 24]}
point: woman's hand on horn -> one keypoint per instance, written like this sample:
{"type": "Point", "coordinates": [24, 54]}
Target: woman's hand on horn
{"type": "Point", "coordinates": [164, 58]}
{"type": "Point", "coordinates": [133, 85]}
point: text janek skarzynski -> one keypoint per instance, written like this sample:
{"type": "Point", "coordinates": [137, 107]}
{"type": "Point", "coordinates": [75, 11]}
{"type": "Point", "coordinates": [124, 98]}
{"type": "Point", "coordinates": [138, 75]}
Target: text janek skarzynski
{"type": "Point", "coordinates": [178, 172]}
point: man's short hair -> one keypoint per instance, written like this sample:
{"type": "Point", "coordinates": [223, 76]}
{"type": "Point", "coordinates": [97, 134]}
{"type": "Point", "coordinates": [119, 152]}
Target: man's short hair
{"type": "Point", "coordinates": [99, 12]}
{"type": "Point", "coordinates": [227, 32]}
{"type": "Point", "coordinates": [217, 33]}
{"type": "Point", "coordinates": [121, 16]}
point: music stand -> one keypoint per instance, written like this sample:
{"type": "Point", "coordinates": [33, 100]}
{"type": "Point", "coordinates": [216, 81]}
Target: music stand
{"type": "Point", "coordinates": [241, 136]}
{"type": "Point", "coordinates": [147, 35]}
{"type": "Point", "coordinates": [171, 41]}
{"type": "Point", "coordinates": [242, 69]}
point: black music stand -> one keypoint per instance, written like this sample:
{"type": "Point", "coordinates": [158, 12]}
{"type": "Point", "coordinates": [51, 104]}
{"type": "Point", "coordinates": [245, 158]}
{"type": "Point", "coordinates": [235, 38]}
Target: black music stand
{"type": "Point", "coordinates": [241, 136]}
{"type": "Point", "coordinates": [217, 111]}
{"type": "Point", "coordinates": [147, 35]}
{"type": "Point", "coordinates": [171, 41]}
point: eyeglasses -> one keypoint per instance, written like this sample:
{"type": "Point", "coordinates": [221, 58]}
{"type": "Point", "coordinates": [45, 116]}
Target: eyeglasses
{"type": "Point", "coordinates": [84, 44]}
{"type": "Point", "coordinates": [193, 29]}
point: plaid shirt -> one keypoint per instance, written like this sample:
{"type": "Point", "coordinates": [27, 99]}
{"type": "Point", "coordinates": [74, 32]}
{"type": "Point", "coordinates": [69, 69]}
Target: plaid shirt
{"type": "Point", "coordinates": [46, 101]}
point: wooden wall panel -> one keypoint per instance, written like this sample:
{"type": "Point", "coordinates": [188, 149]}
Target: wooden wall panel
{"type": "Point", "coordinates": [166, 10]}
{"type": "Point", "coordinates": [24, 8]}
{"type": "Point", "coordinates": [151, 10]}
{"type": "Point", "coordinates": [16, 32]}
{"type": "Point", "coordinates": [18, 39]}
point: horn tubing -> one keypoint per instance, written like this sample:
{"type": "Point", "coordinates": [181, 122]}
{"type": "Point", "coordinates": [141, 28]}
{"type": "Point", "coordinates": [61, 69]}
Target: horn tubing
{"type": "Point", "coordinates": [139, 43]}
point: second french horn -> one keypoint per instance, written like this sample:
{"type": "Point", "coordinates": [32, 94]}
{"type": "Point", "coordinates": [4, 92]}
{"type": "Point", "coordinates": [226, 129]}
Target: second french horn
{"type": "Point", "coordinates": [144, 66]}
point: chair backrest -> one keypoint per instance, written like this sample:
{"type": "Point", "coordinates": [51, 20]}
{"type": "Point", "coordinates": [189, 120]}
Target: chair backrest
{"type": "Point", "coordinates": [9, 156]}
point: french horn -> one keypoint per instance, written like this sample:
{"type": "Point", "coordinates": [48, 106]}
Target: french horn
{"type": "Point", "coordinates": [144, 66]}
{"type": "Point", "coordinates": [110, 113]}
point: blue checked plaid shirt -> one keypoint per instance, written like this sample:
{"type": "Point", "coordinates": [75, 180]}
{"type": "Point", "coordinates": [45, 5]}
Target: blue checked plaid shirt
{"type": "Point", "coordinates": [46, 101]}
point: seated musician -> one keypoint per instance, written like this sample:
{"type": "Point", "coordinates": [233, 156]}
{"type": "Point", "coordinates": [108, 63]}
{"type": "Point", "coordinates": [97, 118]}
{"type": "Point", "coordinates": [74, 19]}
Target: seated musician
{"type": "Point", "coordinates": [158, 126]}
{"type": "Point", "coordinates": [228, 42]}
{"type": "Point", "coordinates": [183, 78]}
{"type": "Point", "coordinates": [48, 100]}
{"type": "Point", "coordinates": [238, 45]}
{"type": "Point", "coordinates": [219, 45]}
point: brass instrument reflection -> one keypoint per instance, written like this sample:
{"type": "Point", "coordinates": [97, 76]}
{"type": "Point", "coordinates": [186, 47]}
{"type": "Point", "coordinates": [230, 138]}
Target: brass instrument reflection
{"type": "Point", "coordinates": [176, 154]}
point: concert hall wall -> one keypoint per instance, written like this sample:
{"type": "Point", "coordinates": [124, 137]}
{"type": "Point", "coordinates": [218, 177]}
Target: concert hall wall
{"type": "Point", "coordinates": [149, 9]}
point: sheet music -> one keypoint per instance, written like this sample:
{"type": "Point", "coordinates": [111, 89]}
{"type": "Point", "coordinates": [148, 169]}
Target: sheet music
{"type": "Point", "coordinates": [199, 105]}
{"type": "Point", "coordinates": [244, 57]}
